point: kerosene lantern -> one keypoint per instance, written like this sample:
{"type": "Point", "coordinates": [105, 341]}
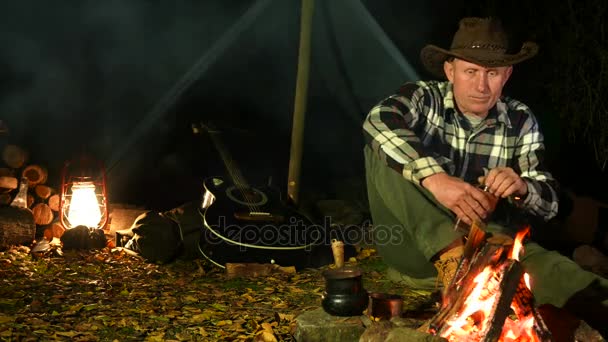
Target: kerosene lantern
{"type": "Point", "coordinates": [83, 194]}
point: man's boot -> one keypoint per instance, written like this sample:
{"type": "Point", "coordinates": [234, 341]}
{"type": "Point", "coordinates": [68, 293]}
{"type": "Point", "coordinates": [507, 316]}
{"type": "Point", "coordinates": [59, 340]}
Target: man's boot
{"type": "Point", "coordinates": [588, 305]}
{"type": "Point", "coordinates": [447, 264]}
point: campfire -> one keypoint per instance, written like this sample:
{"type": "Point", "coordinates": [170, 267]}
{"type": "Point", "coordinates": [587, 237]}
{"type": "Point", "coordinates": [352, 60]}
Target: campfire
{"type": "Point", "coordinates": [489, 298]}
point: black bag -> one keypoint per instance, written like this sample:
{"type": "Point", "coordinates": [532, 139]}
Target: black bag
{"type": "Point", "coordinates": [82, 237]}
{"type": "Point", "coordinates": [163, 237]}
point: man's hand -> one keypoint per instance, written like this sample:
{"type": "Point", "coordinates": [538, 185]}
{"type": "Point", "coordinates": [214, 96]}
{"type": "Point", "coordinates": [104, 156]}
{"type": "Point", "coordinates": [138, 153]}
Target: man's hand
{"type": "Point", "coordinates": [503, 182]}
{"type": "Point", "coordinates": [465, 200]}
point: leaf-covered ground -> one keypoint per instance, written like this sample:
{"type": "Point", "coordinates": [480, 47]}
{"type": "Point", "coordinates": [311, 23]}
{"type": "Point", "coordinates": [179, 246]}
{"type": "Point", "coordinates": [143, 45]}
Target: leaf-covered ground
{"type": "Point", "coordinates": [107, 295]}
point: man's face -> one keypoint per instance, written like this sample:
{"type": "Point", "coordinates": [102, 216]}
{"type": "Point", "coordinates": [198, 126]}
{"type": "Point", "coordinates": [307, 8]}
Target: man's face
{"type": "Point", "coordinates": [476, 88]}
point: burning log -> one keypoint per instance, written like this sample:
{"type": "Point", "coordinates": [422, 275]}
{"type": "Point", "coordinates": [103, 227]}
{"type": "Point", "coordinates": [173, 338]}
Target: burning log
{"type": "Point", "coordinates": [17, 226]}
{"type": "Point", "coordinates": [487, 289]}
{"type": "Point", "coordinates": [14, 156]}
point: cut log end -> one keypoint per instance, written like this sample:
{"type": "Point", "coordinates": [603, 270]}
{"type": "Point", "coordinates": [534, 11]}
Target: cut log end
{"type": "Point", "coordinates": [53, 202]}
{"type": "Point", "coordinates": [8, 183]}
{"type": "Point", "coordinates": [14, 156]}
{"type": "Point", "coordinates": [43, 215]}
{"type": "Point", "coordinates": [43, 191]}
{"type": "Point", "coordinates": [35, 174]}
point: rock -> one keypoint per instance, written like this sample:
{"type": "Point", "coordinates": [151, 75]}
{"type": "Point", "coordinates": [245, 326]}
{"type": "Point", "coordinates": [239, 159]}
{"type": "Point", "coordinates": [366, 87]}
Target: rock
{"type": "Point", "coordinates": [317, 325]}
{"type": "Point", "coordinates": [397, 330]}
{"type": "Point", "coordinates": [586, 333]}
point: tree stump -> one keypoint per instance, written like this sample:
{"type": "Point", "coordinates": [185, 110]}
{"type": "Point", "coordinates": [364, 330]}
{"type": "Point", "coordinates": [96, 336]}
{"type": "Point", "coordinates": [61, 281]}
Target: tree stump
{"type": "Point", "coordinates": [17, 226]}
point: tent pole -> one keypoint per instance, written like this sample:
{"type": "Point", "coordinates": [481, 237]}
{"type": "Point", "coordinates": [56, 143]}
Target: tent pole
{"type": "Point", "coordinates": [299, 112]}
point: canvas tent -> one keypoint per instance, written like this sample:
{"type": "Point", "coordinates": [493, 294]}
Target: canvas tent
{"type": "Point", "coordinates": [124, 81]}
{"type": "Point", "coordinates": [354, 64]}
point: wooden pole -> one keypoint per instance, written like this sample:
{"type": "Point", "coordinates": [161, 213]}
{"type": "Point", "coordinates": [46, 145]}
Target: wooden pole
{"type": "Point", "coordinates": [299, 112]}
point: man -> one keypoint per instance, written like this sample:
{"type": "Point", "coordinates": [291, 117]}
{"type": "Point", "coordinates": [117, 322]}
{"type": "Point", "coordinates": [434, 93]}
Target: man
{"type": "Point", "coordinates": [428, 147]}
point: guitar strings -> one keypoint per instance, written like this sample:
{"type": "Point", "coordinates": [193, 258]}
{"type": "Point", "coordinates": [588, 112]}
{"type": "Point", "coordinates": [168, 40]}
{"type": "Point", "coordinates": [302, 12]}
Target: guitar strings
{"type": "Point", "coordinates": [235, 174]}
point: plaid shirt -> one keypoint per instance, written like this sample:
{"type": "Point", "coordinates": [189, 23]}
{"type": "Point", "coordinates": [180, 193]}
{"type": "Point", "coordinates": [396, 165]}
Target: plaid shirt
{"type": "Point", "coordinates": [418, 133]}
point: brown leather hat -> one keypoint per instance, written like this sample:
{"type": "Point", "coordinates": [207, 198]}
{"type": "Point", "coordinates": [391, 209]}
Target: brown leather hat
{"type": "Point", "coordinates": [478, 40]}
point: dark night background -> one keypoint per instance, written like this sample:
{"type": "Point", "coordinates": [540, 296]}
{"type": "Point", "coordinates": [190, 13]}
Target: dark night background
{"type": "Point", "coordinates": [117, 79]}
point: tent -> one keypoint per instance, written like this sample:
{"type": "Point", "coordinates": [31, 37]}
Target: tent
{"type": "Point", "coordinates": [124, 81]}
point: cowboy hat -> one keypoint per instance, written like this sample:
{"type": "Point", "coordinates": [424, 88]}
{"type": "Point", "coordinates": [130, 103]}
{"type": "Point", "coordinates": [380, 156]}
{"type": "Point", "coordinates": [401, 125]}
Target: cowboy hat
{"type": "Point", "coordinates": [478, 40]}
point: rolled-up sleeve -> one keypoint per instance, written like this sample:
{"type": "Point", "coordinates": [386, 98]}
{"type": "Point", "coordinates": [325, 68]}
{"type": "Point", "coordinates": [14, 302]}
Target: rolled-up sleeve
{"type": "Point", "coordinates": [542, 199]}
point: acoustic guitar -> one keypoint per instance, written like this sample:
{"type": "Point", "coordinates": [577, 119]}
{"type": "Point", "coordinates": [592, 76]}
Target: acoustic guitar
{"type": "Point", "coordinates": [242, 223]}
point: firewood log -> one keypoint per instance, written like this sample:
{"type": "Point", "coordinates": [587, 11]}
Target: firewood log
{"type": "Point", "coordinates": [58, 229]}
{"type": "Point", "coordinates": [5, 199]}
{"type": "Point", "coordinates": [43, 192]}
{"type": "Point", "coordinates": [14, 156]}
{"type": "Point", "coordinates": [53, 230]}
{"type": "Point", "coordinates": [43, 215]}
{"type": "Point", "coordinates": [53, 202]}
{"type": "Point", "coordinates": [8, 183]}
{"type": "Point", "coordinates": [234, 270]}
{"type": "Point", "coordinates": [6, 172]}
{"type": "Point", "coordinates": [35, 174]}
{"type": "Point", "coordinates": [17, 226]}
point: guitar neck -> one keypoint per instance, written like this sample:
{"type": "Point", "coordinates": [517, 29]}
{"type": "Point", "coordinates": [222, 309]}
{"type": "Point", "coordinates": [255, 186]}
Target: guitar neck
{"type": "Point", "coordinates": [235, 174]}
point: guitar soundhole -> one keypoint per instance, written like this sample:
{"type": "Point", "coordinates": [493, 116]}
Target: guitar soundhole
{"type": "Point", "coordinates": [250, 196]}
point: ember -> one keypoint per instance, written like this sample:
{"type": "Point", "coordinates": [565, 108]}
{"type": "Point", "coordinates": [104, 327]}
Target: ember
{"type": "Point", "coordinates": [489, 299]}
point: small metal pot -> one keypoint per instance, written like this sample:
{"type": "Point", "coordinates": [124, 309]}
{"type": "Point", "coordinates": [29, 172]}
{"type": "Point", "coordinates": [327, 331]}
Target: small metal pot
{"type": "Point", "coordinates": [344, 294]}
{"type": "Point", "coordinates": [385, 306]}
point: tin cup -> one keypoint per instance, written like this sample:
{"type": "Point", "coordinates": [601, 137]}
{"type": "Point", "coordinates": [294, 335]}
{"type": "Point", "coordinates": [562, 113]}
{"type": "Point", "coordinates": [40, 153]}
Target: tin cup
{"type": "Point", "coordinates": [384, 305]}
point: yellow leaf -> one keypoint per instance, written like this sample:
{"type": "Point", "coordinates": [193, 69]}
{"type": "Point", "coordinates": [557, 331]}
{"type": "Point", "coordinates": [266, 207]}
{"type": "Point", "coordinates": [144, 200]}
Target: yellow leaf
{"type": "Point", "coordinates": [199, 318]}
{"type": "Point", "coordinates": [223, 322]}
{"type": "Point", "coordinates": [280, 306]}
{"type": "Point", "coordinates": [75, 307]}
{"type": "Point", "coordinates": [190, 299]}
{"type": "Point", "coordinates": [265, 336]}
{"type": "Point", "coordinates": [248, 297]}
{"type": "Point", "coordinates": [286, 317]}
{"type": "Point", "coordinates": [266, 326]}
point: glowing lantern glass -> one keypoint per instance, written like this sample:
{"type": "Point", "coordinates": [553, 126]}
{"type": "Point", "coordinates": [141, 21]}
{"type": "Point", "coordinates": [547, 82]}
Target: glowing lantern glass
{"type": "Point", "coordinates": [83, 195]}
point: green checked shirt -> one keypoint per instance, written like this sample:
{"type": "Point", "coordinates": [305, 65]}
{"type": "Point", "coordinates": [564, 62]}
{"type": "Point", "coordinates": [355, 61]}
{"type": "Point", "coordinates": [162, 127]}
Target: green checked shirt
{"type": "Point", "coordinates": [418, 132]}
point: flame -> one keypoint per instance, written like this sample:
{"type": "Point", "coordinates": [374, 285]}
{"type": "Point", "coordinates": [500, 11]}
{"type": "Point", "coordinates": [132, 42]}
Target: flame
{"type": "Point", "coordinates": [84, 209]}
{"type": "Point", "coordinates": [518, 244]}
{"type": "Point", "coordinates": [477, 308]}
{"type": "Point", "coordinates": [527, 280]}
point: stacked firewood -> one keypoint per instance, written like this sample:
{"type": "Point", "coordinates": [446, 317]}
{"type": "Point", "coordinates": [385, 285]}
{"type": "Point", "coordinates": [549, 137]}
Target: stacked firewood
{"type": "Point", "coordinates": [20, 179]}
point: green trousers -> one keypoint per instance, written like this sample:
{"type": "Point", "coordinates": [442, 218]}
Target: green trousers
{"type": "Point", "coordinates": [410, 227]}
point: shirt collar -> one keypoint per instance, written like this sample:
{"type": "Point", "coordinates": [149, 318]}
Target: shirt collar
{"type": "Point", "coordinates": [497, 113]}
